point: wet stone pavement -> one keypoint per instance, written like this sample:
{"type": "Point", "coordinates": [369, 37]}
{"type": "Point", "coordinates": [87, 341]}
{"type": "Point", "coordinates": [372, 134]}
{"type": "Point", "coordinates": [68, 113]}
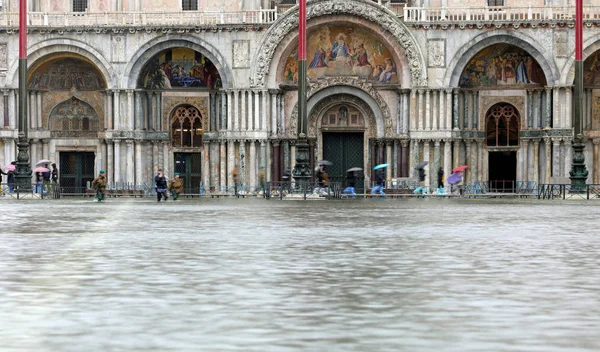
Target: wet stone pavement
{"type": "Point", "coordinates": [257, 275]}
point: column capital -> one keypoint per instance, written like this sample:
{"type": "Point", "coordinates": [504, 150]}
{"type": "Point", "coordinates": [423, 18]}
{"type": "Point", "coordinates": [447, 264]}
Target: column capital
{"type": "Point", "coordinates": [596, 141]}
{"type": "Point", "coordinates": [404, 143]}
{"type": "Point", "coordinates": [437, 142]}
{"type": "Point", "coordinates": [5, 92]}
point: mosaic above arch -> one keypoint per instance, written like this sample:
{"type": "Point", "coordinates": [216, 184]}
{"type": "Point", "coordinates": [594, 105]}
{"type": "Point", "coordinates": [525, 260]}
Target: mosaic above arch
{"type": "Point", "coordinates": [343, 50]}
{"type": "Point", "coordinates": [591, 70]}
{"type": "Point", "coordinates": [502, 65]}
{"type": "Point", "coordinates": [64, 73]}
{"type": "Point", "coordinates": [179, 68]}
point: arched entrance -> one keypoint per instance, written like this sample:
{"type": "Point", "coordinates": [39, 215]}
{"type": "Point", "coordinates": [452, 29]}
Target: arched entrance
{"type": "Point", "coordinates": [502, 136]}
{"type": "Point", "coordinates": [343, 131]}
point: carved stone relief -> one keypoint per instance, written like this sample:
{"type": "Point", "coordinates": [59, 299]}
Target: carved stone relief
{"type": "Point", "coordinates": [3, 57]}
{"type": "Point", "coordinates": [118, 48]}
{"type": "Point", "coordinates": [347, 99]}
{"type": "Point", "coordinates": [318, 8]}
{"type": "Point", "coordinates": [241, 54]}
{"type": "Point", "coordinates": [170, 102]}
{"type": "Point", "coordinates": [436, 52]}
{"type": "Point", "coordinates": [560, 43]}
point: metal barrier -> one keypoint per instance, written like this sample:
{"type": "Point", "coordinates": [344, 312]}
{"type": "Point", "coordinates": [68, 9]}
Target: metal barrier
{"type": "Point", "coordinates": [37, 191]}
{"type": "Point", "coordinates": [282, 189]}
{"type": "Point", "coordinates": [562, 191]}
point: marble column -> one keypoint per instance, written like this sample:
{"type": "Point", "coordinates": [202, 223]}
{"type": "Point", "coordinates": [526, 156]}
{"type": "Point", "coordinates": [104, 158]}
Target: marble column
{"type": "Point", "coordinates": [138, 163]}
{"type": "Point", "coordinates": [427, 125]}
{"type": "Point", "coordinates": [244, 112]}
{"type": "Point", "coordinates": [117, 165]}
{"type": "Point", "coordinates": [556, 157]}
{"type": "Point", "coordinates": [33, 155]}
{"type": "Point", "coordinates": [250, 111]}
{"type": "Point", "coordinates": [223, 164]}
{"type": "Point", "coordinates": [556, 120]}
{"type": "Point", "coordinates": [130, 162]}
{"type": "Point", "coordinates": [404, 167]}
{"type": "Point", "coordinates": [468, 160]}
{"type": "Point", "coordinates": [230, 108]}
{"type": "Point", "coordinates": [447, 158]}
{"type": "Point", "coordinates": [420, 117]}
{"type": "Point", "coordinates": [206, 178]}
{"type": "Point", "coordinates": [32, 111]}
{"type": "Point", "coordinates": [39, 111]}
{"type": "Point", "coordinates": [525, 165]}
{"type": "Point", "coordinates": [548, 121]}
{"type": "Point", "coordinates": [456, 154]}
{"type": "Point", "coordinates": [116, 110]}
{"type": "Point", "coordinates": [252, 165]}
{"type": "Point", "coordinates": [5, 110]}
{"type": "Point", "coordinates": [442, 110]}
{"type": "Point", "coordinates": [274, 113]}
{"type": "Point", "coordinates": [448, 107]}
{"type": "Point", "coordinates": [415, 158]}
{"type": "Point", "coordinates": [426, 158]}
{"type": "Point", "coordinates": [230, 162]}
{"type": "Point", "coordinates": [405, 113]}
{"type": "Point", "coordinates": [455, 110]}
{"type": "Point", "coordinates": [568, 156]}
{"type": "Point", "coordinates": [256, 119]}
{"type": "Point", "coordinates": [568, 122]}
{"type": "Point", "coordinates": [529, 109]}
{"type": "Point", "coordinates": [396, 159]}
{"type": "Point", "coordinates": [548, 160]}
{"type": "Point", "coordinates": [413, 110]}
{"type": "Point", "coordinates": [475, 115]}
{"type": "Point", "coordinates": [243, 168]}
{"type": "Point", "coordinates": [110, 162]}
{"type": "Point", "coordinates": [130, 111]}
{"type": "Point", "coordinates": [437, 162]}
{"type": "Point", "coordinates": [45, 149]}
{"type": "Point", "coordinates": [466, 117]}
{"type": "Point", "coordinates": [388, 160]}
{"type": "Point", "coordinates": [536, 160]}
{"type": "Point", "coordinates": [264, 116]}
{"type": "Point", "coordinates": [485, 173]}
{"type": "Point", "coordinates": [435, 116]}
{"type": "Point", "coordinates": [596, 169]}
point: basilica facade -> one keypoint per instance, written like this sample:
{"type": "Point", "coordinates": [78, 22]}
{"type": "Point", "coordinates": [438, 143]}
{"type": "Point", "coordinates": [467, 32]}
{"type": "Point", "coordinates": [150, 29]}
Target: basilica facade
{"type": "Point", "coordinates": [207, 87]}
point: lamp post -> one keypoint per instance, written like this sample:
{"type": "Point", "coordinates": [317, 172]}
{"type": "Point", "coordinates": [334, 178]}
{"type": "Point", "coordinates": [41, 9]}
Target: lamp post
{"type": "Point", "coordinates": [578, 173]}
{"type": "Point", "coordinates": [23, 169]}
{"type": "Point", "coordinates": [302, 171]}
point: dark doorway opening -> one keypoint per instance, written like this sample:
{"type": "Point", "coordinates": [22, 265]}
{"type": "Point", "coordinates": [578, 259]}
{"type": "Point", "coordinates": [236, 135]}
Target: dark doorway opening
{"type": "Point", "coordinates": [189, 167]}
{"type": "Point", "coordinates": [344, 150]}
{"type": "Point", "coordinates": [503, 171]}
{"type": "Point", "coordinates": [75, 170]}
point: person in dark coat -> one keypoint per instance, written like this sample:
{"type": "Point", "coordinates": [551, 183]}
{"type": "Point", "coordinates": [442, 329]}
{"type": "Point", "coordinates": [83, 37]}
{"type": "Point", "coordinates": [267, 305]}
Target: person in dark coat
{"type": "Point", "coordinates": [421, 189]}
{"type": "Point", "coordinates": [161, 186]}
{"type": "Point", "coordinates": [10, 181]}
{"type": "Point", "coordinates": [379, 182]}
{"type": "Point", "coordinates": [440, 180]}
{"type": "Point", "coordinates": [351, 181]}
{"type": "Point", "coordinates": [99, 184]}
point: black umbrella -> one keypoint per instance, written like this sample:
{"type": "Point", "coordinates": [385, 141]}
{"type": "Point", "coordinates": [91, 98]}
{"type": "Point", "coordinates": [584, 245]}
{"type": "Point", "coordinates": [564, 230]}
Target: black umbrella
{"type": "Point", "coordinates": [421, 165]}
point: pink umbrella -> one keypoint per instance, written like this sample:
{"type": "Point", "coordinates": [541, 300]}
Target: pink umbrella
{"type": "Point", "coordinates": [41, 169]}
{"type": "Point", "coordinates": [10, 167]}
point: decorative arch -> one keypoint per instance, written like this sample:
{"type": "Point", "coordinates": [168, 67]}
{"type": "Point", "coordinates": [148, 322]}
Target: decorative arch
{"type": "Point", "coordinates": [74, 116]}
{"type": "Point", "coordinates": [590, 47]}
{"type": "Point", "coordinates": [320, 108]}
{"type": "Point", "coordinates": [64, 72]}
{"type": "Point", "coordinates": [368, 10]}
{"type": "Point", "coordinates": [460, 60]}
{"type": "Point", "coordinates": [155, 46]}
{"type": "Point", "coordinates": [351, 86]}
{"type": "Point", "coordinates": [502, 125]}
{"type": "Point", "coordinates": [45, 48]}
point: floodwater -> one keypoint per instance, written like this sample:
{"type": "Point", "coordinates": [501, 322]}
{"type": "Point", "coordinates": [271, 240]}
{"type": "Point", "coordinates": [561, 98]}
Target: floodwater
{"type": "Point", "coordinates": [269, 275]}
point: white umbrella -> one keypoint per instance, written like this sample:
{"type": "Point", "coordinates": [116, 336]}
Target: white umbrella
{"type": "Point", "coordinates": [43, 162]}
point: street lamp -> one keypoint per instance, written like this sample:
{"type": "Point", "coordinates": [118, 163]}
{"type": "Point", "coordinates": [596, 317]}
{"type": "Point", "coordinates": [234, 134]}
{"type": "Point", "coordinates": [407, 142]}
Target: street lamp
{"type": "Point", "coordinates": [23, 169]}
{"type": "Point", "coordinates": [578, 173]}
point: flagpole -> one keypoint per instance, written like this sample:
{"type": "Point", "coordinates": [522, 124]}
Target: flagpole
{"type": "Point", "coordinates": [23, 169]}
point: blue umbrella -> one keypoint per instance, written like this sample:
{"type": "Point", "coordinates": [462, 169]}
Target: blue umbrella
{"type": "Point", "coordinates": [381, 166]}
{"type": "Point", "coordinates": [454, 178]}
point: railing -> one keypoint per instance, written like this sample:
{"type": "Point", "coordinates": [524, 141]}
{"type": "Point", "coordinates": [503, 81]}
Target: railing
{"type": "Point", "coordinates": [132, 19]}
{"type": "Point", "coordinates": [564, 191]}
{"type": "Point", "coordinates": [37, 191]}
{"type": "Point", "coordinates": [440, 15]}
{"type": "Point", "coordinates": [284, 189]}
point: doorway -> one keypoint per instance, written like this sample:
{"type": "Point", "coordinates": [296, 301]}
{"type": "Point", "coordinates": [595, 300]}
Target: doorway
{"type": "Point", "coordinates": [189, 167]}
{"type": "Point", "coordinates": [76, 169]}
{"type": "Point", "coordinates": [503, 171]}
{"type": "Point", "coordinates": [344, 150]}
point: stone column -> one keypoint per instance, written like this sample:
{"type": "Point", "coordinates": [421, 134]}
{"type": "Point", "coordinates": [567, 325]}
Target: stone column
{"type": "Point", "coordinates": [46, 150]}
{"type": "Point", "coordinates": [399, 119]}
{"type": "Point", "coordinates": [117, 165]}
{"type": "Point", "coordinates": [223, 164]}
{"type": "Point", "coordinates": [130, 110]}
{"type": "Point", "coordinates": [556, 120]}
{"type": "Point", "coordinates": [415, 158]}
{"type": "Point", "coordinates": [536, 160]}
{"type": "Point", "coordinates": [568, 122]}
{"type": "Point", "coordinates": [252, 165]}
{"type": "Point", "coordinates": [426, 158]}
{"type": "Point", "coordinates": [155, 159]}
{"type": "Point", "coordinates": [420, 117]}
{"type": "Point", "coordinates": [207, 181]}
{"type": "Point", "coordinates": [456, 154]}
{"type": "Point", "coordinates": [32, 111]}
{"type": "Point", "coordinates": [388, 160]}
{"type": "Point", "coordinates": [39, 110]}
{"type": "Point", "coordinates": [437, 162]}
{"type": "Point", "coordinates": [485, 173]}
{"type": "Point", "coordinates": [448, 106]}
{"type": "Point", "coordinates": [264, 116]}
{"type": "Point", "coordinates": [396, 159]}
{"type": "Point", "coordinates": [404, 167]}
{"type": "Point", "coordinates": [447, 158]}
{"type": "Point", "coordinates": [442, 110]}
{"type": "Point", "coordinates": [230, 162]}
{"type": "Point", "coordinates": [138, 163]}
{"type": "Point", "coordinates": [568, 155]}
{"type": "Point", "coordinates": [116, 110]}
{"type": "Point", "coordinates": [33, 154]}
{"type": "Point", "coordinates": [244, 113]}
{"type": "Point", "coordinates": [110, 162]}
{"type": "Point", "coordinates": [468, 159]}
{"type": "Point", "coordinates": [455, 110]}
{"type": "Point", "coordinates": [223, 111]}
{"type": "Point", "coordinates": [529, 109]}
{"type": "Point", "coordinates": [274, 112]}
{"type": "Point", "coordinates": [596, 171]}
{"type": "Point", "coordinates": [466, 120]}
{"type": "Point", "coordinates": [413, 110]}
{"type": "Point", "coordinates": [5, 114]}
{"type": "Point", "coordinates": [130, 162]}
{"type": "Point", "coordinates": [548, 164]}
{"type": "Point", "coordinates": [475, 110]}
{"type": "Point", "coordinates": [257, 118]}
{"type": "Point", "coordinates": [525, 164]}
{"type": "Point", "coordinates": [548, 121]}
{"type": "Point", "coordinates": [405, 113]}
{"type": "Point", "coordinates": [249, 115]}
{"type": "Point", "coordinates": [436, 110]}
{"type": "Point", "coordinates": [243, 167]}
{"type": "Point", "coordinates": [555, 157]}
{"type": "Point", "coordinates": [427, 125]}
{"type": "Point", "coordinates": [230, 107]}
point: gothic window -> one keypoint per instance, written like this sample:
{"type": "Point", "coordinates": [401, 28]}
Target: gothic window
{"type": "Point", "coordinates": [189, 5]}
{"type": "Point", "coordinates": [80, 5]}
{"type": "Point", "coordinates": [186, 127]}
{"type": "Point", "coordinates": [495, 2]}
{"type": "Point", "coordinates": [502, 126]}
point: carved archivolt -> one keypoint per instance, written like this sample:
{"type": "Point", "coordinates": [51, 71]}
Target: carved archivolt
{"type": "Point", "coordinates": [365, 9]}
{"type": "Point", "coordinates": [362, 84]}
{"type": "Point", "coordinates": [325, 104]}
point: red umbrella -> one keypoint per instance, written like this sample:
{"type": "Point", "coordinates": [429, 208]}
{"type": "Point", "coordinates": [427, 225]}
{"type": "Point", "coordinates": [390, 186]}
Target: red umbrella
{"type": "Point", "coordinates": [10, 167]}
{"type": "Point", "coordinates": [460, 168]}
{"type": "Point", "coordinates": [41, 169]}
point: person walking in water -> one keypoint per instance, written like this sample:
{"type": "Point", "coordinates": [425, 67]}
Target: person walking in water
{"type": "Point", "coordinates": [176, 186]}
{"type": "Point", "coordinates": [379, 181]}
{"type": "Point", "coordinates": [161, 186]}
{"type": "Point", "coordinates": [99, 184]}
{"type": "Point", "coordinates": [440, 180]}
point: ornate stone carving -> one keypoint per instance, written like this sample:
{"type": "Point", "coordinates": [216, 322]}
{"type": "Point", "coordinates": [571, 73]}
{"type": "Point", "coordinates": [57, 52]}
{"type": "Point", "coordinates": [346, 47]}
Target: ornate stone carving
{"type": "Point", "coordinates": [241, 54]}
{"type": "Point", "coordinates": [118, 48]}
{"type": "Point", "coordinates": [3, 56]}
{"type": "Point", "coordinates": [170, 102]}
{"type": "Point", "coordinates": [436, 52]}
{"type": "Point", "coordinates": [363, 84]}
{"type": "Point", "coordinates": [316, 8]}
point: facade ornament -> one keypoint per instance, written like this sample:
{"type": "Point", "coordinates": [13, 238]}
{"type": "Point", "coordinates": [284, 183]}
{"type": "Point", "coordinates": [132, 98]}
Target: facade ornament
{"type": "Point", "coordinates": [317, 8]}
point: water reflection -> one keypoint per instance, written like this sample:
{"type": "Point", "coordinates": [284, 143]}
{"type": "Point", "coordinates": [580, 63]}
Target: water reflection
{"type": "Point", "coordinates": [254, 275]}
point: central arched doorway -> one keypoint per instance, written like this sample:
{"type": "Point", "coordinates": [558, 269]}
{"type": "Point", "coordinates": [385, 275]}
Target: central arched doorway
{"type": "Point", "coordinates": [186, 141]}
{"type": "Point", "coordinates": [343, 131]}
{"type": "Point", "coordinates": [502, 135]}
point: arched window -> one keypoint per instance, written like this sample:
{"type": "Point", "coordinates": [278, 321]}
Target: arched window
{"type": "Point", "coordinates": [186, 127]}
{"type": "Point", "coordinates": [502, 126]}
{"type": "Point", "coordinates": [74, 115]}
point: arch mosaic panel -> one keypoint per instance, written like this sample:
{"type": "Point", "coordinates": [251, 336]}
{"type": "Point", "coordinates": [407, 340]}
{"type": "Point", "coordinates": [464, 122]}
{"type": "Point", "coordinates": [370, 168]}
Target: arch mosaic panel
{"type": "Point", "coordinates": [502, 65]}
{"type": "Point", "coordinates": [65, 73]}
{"type": "Point", "coordinates": [343, 50]}
{"type": "Point", "coordinates": [74, 116]}
{"type": "Point", "coordinates": [179, 68]}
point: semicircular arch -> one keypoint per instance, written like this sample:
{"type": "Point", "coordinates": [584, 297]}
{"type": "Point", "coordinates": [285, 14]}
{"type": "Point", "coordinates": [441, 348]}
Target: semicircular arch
{"type": "Point", "coordinates": [590, 46]}
{"type": "Point", "coordinates": [463, 56]}
{"type": "Point", "coordinates": [263, 64]}
{"type": "Point", "coordinates": [155, 46]}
